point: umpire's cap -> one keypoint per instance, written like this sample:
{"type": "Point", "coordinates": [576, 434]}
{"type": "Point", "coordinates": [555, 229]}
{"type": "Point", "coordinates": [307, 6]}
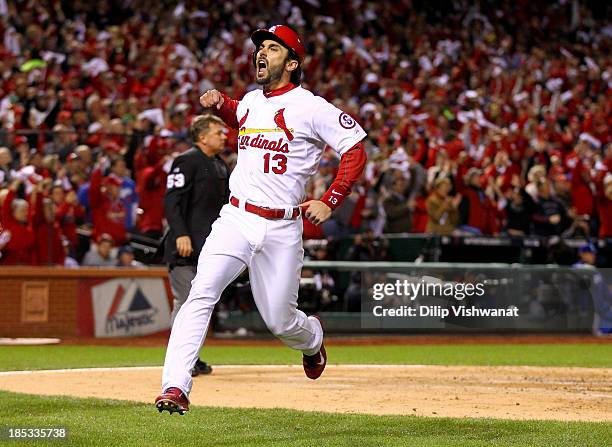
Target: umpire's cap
{"type": "Point", "coordinates": [283, 35]}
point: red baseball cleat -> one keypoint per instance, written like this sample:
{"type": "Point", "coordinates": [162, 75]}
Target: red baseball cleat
{"type": "Point", "coordinates": [315, 364]}
{"type": "Point", "coordinates": [173, 400]}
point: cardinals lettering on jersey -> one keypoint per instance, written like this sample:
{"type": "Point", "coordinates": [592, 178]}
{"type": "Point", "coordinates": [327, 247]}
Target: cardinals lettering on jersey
{"type": "Point", "coordinates": [260, 142]}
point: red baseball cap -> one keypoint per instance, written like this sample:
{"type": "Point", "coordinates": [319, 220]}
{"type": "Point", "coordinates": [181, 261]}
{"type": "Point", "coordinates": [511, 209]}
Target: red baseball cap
{"type": "Point", "coordinates": [112, 179]}
{"type": "Point", "coordinates": [105, 237]}
{"type": "Point", "coordinates": [111, 146]}
{"type": "Point", "coordinates": [64, 115]}
{"type": "Point", "coordinates": [283, 35]}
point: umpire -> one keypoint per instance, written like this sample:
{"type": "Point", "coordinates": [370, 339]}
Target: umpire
{"type": "Point", "coordinates": [197, 188]}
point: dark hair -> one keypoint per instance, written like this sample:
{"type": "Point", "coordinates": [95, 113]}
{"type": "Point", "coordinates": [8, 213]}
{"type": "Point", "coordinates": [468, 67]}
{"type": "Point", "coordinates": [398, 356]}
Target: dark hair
{"type": "Point", "coordinates": [114, 161]}
{"type": "Point", "coordinates": [296, 75]}
{"type": "Point", "coordinates": [201, 123]}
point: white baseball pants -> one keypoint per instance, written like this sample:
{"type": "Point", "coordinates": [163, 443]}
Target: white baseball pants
{"type": "Point", "coordinates": [272, 250]}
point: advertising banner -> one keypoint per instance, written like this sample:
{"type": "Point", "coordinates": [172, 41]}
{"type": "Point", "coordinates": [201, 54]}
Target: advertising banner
{"type": "Point", "coordinates": [125, 307]}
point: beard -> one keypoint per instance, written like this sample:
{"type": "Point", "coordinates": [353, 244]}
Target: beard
{"type": "Point", "coordinates": [274, 74]}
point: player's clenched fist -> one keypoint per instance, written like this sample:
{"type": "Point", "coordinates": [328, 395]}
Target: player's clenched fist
{"type": "Point", "coordinates": [316, 211]}
{"type": "Point", "coordinates": [211, 98]}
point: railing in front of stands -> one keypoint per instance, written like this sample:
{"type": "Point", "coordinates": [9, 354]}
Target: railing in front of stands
{"type": "Point", "coordinates": [352, 297]}
{"type": "Point", "coordinates": [409, 247]}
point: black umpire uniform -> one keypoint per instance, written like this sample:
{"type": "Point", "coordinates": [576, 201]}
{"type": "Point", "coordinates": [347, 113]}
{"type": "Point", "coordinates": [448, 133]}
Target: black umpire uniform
{"type": "Point", "coordinates": [197, 188]}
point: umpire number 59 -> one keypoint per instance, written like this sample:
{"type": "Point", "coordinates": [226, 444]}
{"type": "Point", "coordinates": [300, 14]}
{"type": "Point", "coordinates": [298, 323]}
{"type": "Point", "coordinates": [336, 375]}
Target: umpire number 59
{"type": "Point", "coordinates": [175, 181]}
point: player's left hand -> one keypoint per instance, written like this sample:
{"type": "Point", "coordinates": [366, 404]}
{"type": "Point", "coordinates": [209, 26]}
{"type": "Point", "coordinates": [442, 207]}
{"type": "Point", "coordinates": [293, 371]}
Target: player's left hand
{"type": "Point", "coordinates": [316, 211]}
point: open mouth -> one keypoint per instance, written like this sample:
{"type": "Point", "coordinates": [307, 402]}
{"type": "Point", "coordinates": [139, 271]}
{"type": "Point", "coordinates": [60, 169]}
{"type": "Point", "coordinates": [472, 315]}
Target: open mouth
{"type": "Point", "coordinates": [261, 67]}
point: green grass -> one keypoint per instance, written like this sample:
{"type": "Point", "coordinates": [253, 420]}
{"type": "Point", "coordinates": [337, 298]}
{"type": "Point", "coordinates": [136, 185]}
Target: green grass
{"type": "Point", "coordinates": [98, 422]}
{"type": "Point", "coordinates": [93, 422]}
{"type": "Point", "coordinates": [56, 357]}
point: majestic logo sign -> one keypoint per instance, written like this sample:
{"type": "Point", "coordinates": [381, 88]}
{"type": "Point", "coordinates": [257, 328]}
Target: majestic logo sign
{"type": "Point", "coordinates": [137, 311]}
{"type": "Point", "coordinates": [124, 307]}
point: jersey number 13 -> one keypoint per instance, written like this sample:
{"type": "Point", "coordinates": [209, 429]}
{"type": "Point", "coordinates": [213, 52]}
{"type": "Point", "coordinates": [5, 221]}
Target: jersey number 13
{"type": "Point", "coordinates": [278, 164]}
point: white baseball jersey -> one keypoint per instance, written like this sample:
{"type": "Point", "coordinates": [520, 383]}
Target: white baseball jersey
{"type": "Point", "coordinates": [280, 143]}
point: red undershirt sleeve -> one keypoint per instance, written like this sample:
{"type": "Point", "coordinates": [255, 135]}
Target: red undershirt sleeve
{"type": "Point", "coordinates": [227, 112]}
{"type": "Point", "coordinates": [351, 167]}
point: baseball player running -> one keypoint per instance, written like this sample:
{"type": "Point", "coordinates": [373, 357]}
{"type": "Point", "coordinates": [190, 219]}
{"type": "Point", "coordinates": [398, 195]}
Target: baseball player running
{"type": "Point", "coordinates": [283, 130]}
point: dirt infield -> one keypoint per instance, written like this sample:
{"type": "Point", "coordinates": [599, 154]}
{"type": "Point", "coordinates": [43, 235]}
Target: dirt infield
{"type": "Point", "coordinates": [506, 392]}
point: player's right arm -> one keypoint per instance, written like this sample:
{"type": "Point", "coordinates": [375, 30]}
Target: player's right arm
{"type": "Point", "coordinates": [178, 186]}
{"type": "Point", "coordinates": [95, 187]}
{"type": "Point", "coordinates": [223, 106]}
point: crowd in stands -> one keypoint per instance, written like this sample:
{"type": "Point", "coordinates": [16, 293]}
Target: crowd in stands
{"type": "Point", "coordinates": [492, 118]}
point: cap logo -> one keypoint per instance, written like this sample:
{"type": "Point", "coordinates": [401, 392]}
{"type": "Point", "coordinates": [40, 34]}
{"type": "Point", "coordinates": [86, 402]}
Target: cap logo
{"type": "Point", "coordinates": [273, 29]}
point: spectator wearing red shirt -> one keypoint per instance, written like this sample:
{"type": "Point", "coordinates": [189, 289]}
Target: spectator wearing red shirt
{"type": "Point", "coordinates": [420, 217]}
{"type": "Point", "coordinates": [17, 222]}
{"type": "Point", "coordinates": [107, 210]}
{"type": "Point", "coordinates": [476, 211]}
{"type": "Point", "coordinates": [47, 233]}
{"type": "Point", "coordinates": [502, 171]}
{"type": "Point", "coordinates": [68, 214]}
{"type": "Point", "coordinates": [604, 207]}
{"type": "Point", "coordinates": [151, 187]}
{"type": "Point", "coordinates": [4, 238]}
{"type": "Point", "coordinates": [583, 197]}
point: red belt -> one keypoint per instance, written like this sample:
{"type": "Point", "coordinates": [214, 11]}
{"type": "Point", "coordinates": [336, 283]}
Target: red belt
{"type": "Point", "coordinates": [267, 213]}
